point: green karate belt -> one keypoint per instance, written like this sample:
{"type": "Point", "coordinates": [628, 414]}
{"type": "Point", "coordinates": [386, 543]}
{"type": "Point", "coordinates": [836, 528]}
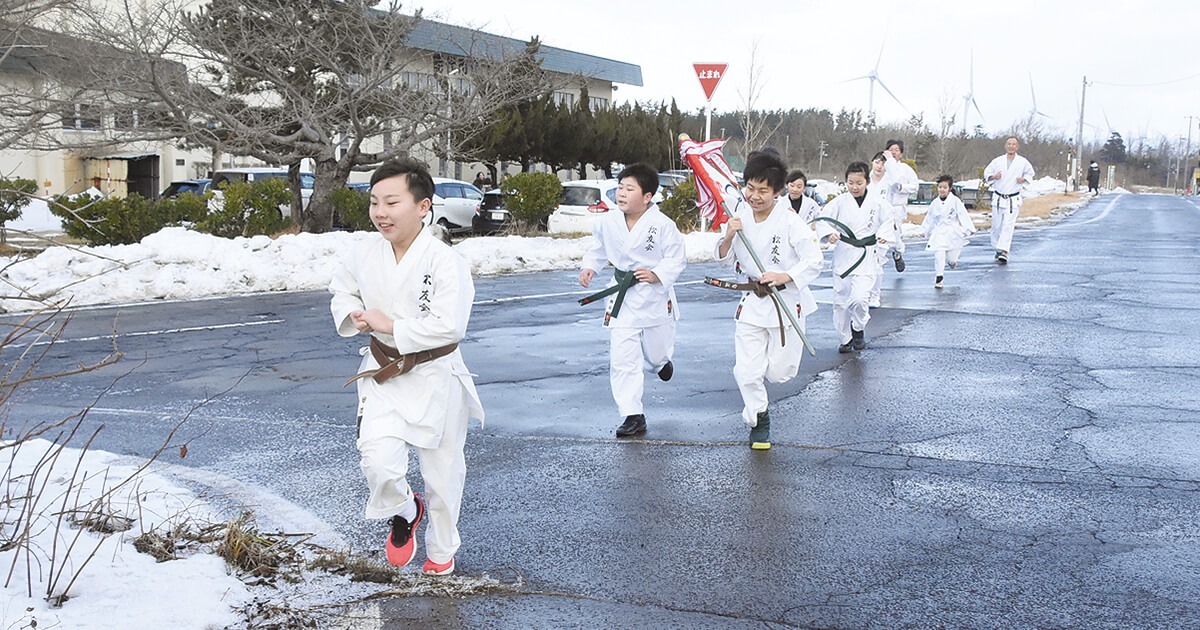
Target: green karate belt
{"type": "Point", "coordinates": [850, 239]}
{"type": "Point", "coordinates": [625, 279]}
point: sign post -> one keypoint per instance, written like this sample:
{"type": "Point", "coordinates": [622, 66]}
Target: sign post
{"type": "Point", "coordinates": [710, 75]}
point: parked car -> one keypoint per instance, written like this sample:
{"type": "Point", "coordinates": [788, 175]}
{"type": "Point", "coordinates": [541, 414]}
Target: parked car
{"type": "Point", "coordinates": [195, 186]}
{"type": "Point", "coordinates": [492, 215]}
{"type": "Point", "coordinates": [455, 203]}
{"type": "Point", "coordinates": [583, 201]}
{"type": "Point", "coordinates": [223, 177]}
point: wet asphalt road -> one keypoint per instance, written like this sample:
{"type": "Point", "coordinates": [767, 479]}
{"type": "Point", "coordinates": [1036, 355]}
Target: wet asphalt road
{"type": "Point", "coordinates": [1020, 449]}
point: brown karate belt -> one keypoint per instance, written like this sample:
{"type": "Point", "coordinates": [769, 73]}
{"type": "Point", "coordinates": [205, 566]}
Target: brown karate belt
{"type": "Point", "coordinates": [394, 364]}
{"type": "Point", "coordinates": [759, 289]}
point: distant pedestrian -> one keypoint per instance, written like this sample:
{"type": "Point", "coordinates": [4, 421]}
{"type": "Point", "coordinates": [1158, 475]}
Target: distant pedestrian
{"type": "Point", "coordinates": [648, 254]}
{"type": "Point", "coordinates": [764, 347]}
{"type": "Point", "coordinates": [947, 225]}
{"type": "Point", "coordinates": [1094, 178]}
{"type": "Point", "coordinates": [1006, 175]}
{"type": "Point", "coordinates": [412, 294]}
{"type": "Point", "coordinates": [854, 221]}
{"type": "Point", "coordinates": [481, 181]}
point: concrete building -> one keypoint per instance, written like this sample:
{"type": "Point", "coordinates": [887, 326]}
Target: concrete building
{"type": "Point", "coordinates": [91, 152]}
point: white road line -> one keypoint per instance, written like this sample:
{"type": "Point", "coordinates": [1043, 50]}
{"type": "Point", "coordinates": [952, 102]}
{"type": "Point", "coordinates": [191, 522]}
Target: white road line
{"type": "Point", "coordinates": [167, 331]}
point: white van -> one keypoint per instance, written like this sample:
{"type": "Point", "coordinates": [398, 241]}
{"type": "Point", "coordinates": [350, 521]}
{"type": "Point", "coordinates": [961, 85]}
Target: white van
{"type": "Point", "coordinates": [256, 174]}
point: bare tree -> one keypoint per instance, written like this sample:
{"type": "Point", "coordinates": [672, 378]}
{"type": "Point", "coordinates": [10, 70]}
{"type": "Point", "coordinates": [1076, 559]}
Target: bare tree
{"type": "Point", "coordinates": [343, 84]}
{"type": "Point", "coordinates": [756, 127]}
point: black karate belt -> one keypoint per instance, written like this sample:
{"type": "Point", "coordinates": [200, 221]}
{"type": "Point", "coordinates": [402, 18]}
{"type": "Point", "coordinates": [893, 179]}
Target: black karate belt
{"type": "Point", "coordinates": [758, 289]}
{"type": "Point", "coordinates": [1009, 197]}
{"type": "Point", "coordinates": [392, 363]}
{"type": "Point", "coordinates": [850, 239]}
{"type": "Point", "coordinates": [625, 279]}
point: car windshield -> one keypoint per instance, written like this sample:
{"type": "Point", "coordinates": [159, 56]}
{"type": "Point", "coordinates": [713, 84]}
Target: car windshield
{"type": "Point", "coordinates": [580, 196]}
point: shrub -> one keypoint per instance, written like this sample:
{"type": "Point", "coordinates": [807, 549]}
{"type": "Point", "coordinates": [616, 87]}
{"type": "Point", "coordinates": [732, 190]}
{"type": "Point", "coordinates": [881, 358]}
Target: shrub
{"type": "Point", "coordinates": [531, 197]}
{"type": "Point", "coordinates": [108, 220]}
{"type": "Point", "coordinates": [681, 206]}
{"type": "Point", "coordinates": [14, 196]}
{"type": "Point", "coordinates": [351, 210]}
{"type": "Point", "coordinates": [248, 209]}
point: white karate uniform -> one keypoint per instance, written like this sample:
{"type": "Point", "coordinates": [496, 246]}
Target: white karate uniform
{"type": "Point", "coordinates": [809, 208]}
{"type": "Point", "coordinates": [784, 243]}
{"type": "Point", "coordinates": [1006, 211]}
{"type": "Point", "coordinates": [947, 225]}
{"type": "Point", "coordinates": [902, 182]}
{"type": "Point", "coordinates": [852, 293]}
{"type": "Point", "coordinates": [428, 294]}
{"type": "Point", "coordinates": [642, 335]}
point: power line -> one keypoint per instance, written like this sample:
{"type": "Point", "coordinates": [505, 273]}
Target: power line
{"type": "Point", "coordinates": [1135, 85]}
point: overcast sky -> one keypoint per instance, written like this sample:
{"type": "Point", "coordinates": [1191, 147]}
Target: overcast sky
{"type": "Point", "coordinates": [1142, 57]}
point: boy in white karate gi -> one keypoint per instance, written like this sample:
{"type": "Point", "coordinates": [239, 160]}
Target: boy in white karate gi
{"type": "Point", "coordinates": [1006, 175]}
{"type": "Point", "coordinates": [765, 344]}
{"type": "Point", "coordinates": [642, 241]}
{"type": "Point", "coordinates": [947, 225]}
{"type": "Point", "coordinates": [412, 293]}
{"type": "Point", "coordinates": [854, 263]}
{"type": "Point", "coordinates": [899, 180]}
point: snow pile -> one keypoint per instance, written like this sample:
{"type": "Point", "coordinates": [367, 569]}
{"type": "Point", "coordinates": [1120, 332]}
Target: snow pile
{"type": "Point", "coordinates": [119, 587]}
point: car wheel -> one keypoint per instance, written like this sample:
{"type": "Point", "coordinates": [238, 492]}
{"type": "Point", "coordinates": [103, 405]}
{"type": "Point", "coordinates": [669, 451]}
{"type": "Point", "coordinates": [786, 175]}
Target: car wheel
{"type": "Point", "coordinates": [445, 223]}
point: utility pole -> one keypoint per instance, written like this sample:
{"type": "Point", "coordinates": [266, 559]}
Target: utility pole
{"type": "Point", "coordinates": [1187, 155]}
{"type": "Point", "coordinates": [1075, 170]}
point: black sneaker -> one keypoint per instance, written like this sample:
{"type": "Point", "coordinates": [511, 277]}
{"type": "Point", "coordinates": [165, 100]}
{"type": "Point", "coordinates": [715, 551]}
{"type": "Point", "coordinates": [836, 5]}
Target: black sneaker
{"type": "Point", "coordinates": [857, 339]}
{"type": "Point", "coordinates": [760, 434]}
{"type": "Point", "coordinates": [937, 284]}
{"type": "Point", "coordinates": [1002, 258]}
{"type": "Point", "coordinates": [847, 347]}
{"type": "Point", "coordinates": [899, 260]}
{"type": "Point", "coordinates": [667, 371]}
{"type": "Point", "coordinates": [633, 425]}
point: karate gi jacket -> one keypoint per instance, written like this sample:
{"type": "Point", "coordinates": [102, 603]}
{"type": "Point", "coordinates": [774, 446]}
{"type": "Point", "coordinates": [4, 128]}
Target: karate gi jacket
{"type": "Point", "coordinates": [900, 181]}
{"type": "Point", "coordinates": [1007, 184]}
{"type": "Point", "coordinates": [654, 243]}
{"type": "Point", "coordinates": [428, 294]}
{"type": "Point", "coordinates": [863, 220]}
{"type": "Point", "coordinates": [947, 224]}
{"type": "Point", "coordinates": [784, 243]}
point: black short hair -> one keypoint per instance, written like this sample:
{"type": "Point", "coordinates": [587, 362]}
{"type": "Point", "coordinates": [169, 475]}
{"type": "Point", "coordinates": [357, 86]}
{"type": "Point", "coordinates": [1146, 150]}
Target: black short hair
{"type": "Point", "coordinates": [858, 167]}
{"type": "Point", "coordinates": [879, 156]}
{"type": "Point", "coordinates": [794, 175]}
{"type": "Point", "coordinates": [765, 166]}
{"type": "Point", "coordinates": [947, 179]}
{"type": "Point", "coordinates": [644, 174]}
{"type": "Point", "coordinates": [896, 142]}
{"type": "Point", "coordinates": [416, 176]}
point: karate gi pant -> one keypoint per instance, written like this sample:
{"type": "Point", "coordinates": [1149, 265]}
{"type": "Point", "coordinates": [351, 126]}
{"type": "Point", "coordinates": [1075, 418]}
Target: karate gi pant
{"type": "Point", "coordinates": [884, 252]}
{"type": "Point", "coordinates": [443, 469]}
{"type": "Point", "coordinates": [942, 256]}
{"type": "Point", "coordinates": [1004, 219]}
{"type": "Point", "coordinates": [850, 303]}
{"type": "Point", "coordinates": [759, 354]}
{"type": "Point", "coordinates": [631, 353]}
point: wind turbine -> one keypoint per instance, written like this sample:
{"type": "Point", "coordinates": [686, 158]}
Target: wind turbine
{"type": "Point", "coordinates": [1034, 112]}
{"type": "Point", "coordinates": [969, 99]}
{"type": "Point", "coordinates": [873, 77]}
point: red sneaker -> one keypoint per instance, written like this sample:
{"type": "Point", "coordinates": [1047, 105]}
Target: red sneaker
{"type": "Point", "coordinates": [433, 568]}
{"type": "Point", "coordinates": [402, 542]}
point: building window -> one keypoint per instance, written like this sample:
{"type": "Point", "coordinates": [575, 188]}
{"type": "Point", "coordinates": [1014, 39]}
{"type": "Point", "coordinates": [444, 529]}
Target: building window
{"type": "Point", "coordinates": [563, 99]}
{"type": "Point", "coordinates": [420, 81]}
{"type": "Point", "coordinates": [125, 120]}
{"type": "Point", "coordinates": [81, 116]}
{"type": "Point", "coordinates": [595, 103]}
